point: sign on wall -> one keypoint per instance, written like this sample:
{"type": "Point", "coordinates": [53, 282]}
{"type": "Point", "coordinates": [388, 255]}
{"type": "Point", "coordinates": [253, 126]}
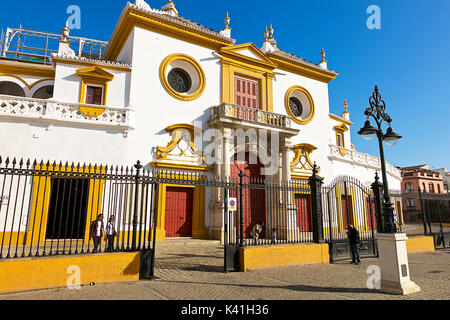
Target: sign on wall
{"type": "Point", "coordinates": [232, 204]}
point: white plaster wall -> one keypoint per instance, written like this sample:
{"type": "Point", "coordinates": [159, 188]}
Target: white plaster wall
{"type": "Point", "coordinates": [316, 132]}
{"type": "Point", "coordinates": [67, 85]}
{"type": "Point", "coordinates": [155, 108]}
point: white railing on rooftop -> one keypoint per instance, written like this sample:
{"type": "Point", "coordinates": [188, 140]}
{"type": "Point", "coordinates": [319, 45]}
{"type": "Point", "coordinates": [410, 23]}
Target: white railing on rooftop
{"type": "Point", "coordinates": [364, 159]}
{"type": "Point", "coordinates": [54, 111]}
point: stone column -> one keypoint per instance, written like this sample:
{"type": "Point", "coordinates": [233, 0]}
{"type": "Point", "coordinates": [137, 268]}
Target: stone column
{"type": "Point", "coordinates": [222, 170]}
{"type": "Point", "coordinates": [288, 208]}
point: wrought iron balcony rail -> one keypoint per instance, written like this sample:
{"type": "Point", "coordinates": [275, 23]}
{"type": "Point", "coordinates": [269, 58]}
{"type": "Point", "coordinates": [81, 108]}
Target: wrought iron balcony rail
{"type": "Point", "coordinates": [252, 115]}
{"type": "Point", "coordinates": [53, 111]}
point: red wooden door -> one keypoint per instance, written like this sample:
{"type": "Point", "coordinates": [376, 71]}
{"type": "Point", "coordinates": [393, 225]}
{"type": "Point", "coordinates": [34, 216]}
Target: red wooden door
{"type": "Point", "coordinates": [254, 200]}
{"type": "Point", "coordinates": [303, 204]}
{"type": "Point", "coordinates": [346, 201]}
{"type": "Point", "coordinates": [370, 219]}
{"type": "Point", "coordinates": [179, 208]}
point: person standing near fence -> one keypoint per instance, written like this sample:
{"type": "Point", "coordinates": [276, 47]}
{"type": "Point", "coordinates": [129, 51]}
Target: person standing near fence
{"type": "Point", "coordinates": [257, 229]}
{"type": "Point", "coordinates": [353, 235]}
{"type": "Point", "coordinates": [96, 232]}
{"type": "Point", "coordinates": [110, 234]}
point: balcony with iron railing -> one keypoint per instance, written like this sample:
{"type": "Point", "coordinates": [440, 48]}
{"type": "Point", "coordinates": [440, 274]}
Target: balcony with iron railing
{"type": "Point", "coordinates": [250, 117]}
{"type": "Point", "coordinates": [51, 112]}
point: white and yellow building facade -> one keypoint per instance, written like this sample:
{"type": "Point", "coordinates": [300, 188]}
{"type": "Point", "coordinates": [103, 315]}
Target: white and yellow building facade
{"type": "Point", "coordinates": [163, 81]}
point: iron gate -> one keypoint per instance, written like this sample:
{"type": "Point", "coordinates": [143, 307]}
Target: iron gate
{"type": "Point", "coordinates": [347, 201]}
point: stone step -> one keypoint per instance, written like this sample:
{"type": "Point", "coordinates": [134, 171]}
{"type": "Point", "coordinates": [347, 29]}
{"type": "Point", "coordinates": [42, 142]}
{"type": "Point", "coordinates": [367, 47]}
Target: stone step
{"type": "Point", "coordinates": [189, 242]}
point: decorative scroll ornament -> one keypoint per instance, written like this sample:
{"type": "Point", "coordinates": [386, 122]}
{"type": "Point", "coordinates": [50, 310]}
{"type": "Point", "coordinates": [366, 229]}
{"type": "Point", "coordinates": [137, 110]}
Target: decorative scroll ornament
{"type": "Point", "coordinates": [302, 166]}
{"type": "Point", "coordinates": [181, 148]}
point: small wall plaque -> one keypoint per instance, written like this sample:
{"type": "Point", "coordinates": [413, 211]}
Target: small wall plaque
{"type": "Point", "coordinates": [404, 270]}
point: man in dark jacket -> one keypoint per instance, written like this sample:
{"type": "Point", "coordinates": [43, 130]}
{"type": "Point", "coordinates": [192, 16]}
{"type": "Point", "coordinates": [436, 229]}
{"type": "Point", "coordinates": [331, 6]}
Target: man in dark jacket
{"type": "Point", "coordinates": [353, 236]}
{"type": "Point", "coordinates": [96, 232]}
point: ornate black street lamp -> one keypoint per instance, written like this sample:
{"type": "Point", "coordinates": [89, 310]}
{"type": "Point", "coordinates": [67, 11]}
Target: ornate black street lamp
{"type": "Point", "coordinates": [368, 132]}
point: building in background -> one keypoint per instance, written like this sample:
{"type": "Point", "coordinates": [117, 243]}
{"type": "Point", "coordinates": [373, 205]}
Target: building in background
{"type": "Point", "coordinates": [415, 177]}
{"type": "Point", "coordinates": [445, 177]}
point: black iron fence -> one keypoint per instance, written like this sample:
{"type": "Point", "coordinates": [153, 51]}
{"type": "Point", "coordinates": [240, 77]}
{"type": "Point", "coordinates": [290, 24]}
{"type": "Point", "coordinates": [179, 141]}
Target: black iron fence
{"type": "Point", "coordinates": [427, 214]}
{"type": "Point", "coordinates": [60, 208]}
{"type": "Point", "coordinates": [52, 208]}
{"type": "Point", "coordinates": [268, 211]}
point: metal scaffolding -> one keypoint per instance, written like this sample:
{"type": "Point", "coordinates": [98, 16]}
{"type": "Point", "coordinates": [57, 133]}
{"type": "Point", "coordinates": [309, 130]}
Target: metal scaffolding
{"type": "Point", "coordinates": [36, 46]}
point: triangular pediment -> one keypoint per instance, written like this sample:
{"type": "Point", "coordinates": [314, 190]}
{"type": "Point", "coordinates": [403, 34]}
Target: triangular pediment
{"type": "Point", "coordinates": [95, 72]}
{"type": "Point", "coordinates": [249, 53]}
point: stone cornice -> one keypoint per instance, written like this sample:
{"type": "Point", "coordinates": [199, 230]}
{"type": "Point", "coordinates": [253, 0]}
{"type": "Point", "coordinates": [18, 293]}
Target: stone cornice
{"type": "Point", "coordinates": [89, 62]}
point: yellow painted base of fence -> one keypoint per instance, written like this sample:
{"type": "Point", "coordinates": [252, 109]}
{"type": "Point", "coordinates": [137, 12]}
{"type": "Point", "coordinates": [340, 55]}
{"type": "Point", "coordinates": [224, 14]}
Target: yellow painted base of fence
{"type": "Point", "coordinates": [419, 244]}
{"type": "Point", "coordinates": [282, 255]}
{"type": "Point", "coordinates": [52, 272]}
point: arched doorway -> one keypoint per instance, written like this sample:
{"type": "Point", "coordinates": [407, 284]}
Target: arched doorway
{"type": "Point", "coordinates": [254, 198]}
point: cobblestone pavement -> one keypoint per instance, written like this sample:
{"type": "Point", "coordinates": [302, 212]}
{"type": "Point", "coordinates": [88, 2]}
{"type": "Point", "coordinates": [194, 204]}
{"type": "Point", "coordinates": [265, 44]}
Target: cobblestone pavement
{"type": "Point", "coordinates": [195, 272]}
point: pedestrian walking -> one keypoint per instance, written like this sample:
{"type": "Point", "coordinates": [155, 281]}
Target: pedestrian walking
{"type": "Point", "coordinates": [96, 232]}
{"type": "Point", "coordinates": [110, 234]}
{"type": "Point", "coordinates": [353, 236]}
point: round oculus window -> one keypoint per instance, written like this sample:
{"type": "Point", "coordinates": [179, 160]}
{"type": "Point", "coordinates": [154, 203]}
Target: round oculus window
{"type": "Point", "coordinates": [296, 106]}
{"type": "Point", "coordinates": [179, 80]}
{"type": "Point", "coordinates": [299, 104]}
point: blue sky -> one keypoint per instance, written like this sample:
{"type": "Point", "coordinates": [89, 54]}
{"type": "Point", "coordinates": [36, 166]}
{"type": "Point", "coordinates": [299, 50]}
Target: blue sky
{"type": "Point", "coordinates": [408, 58]}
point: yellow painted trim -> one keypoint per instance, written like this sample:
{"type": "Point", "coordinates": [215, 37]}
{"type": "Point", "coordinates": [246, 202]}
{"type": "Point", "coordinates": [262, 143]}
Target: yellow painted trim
{"type": "Point", "coordinates": [419, 244]}
{"type": "Point", "coordinates": [288, 109]}
{"type": "Point", "coordinates": [342, 120]}
{"type": "Point", "coordinates": [92, 111]}
{"type": "Point", "coordinates": [169, 165]}
{"type": "Point", "coordinates": [27, 69]}
{"type": "Point", "coordinates": [41, 201]}
{"type": "Point", "coordinates": [16, 77]}
{"type": "Point", "coordinates": [32, 274]}
{"type": "Point", "coordinates": [24, 82]}
{"type": "Point", "coordinates": [163, 77]}
{"type": "Point", "coordinates": [163, 152]}
{"type": "Point", "coordinates": [300, 69]}
{"type": "Point", "coordinates": [97, 76]}
{"type": "Point", "coordinates": [282, 255]}
{"type": "Point", "coordinates": [133, 18]}
{"type": "Point", "coordinates": [232, 68]}
{"type": "Point", "coordinates": [342, 151]}
{"type": "Point", "coordinates": [39, 81]}
{"type": "Point", "coordinates": [232, 53]}
{"type": "Point", "coordinates": [90, 64]}
{"type": "Point", "coordinates": [95, 73]}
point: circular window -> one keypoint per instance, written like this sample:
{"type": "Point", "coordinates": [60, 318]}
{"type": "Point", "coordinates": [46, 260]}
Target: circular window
{"type": "Point", "coordinates": [299, 104]}
{"type": "Point", "coordinates": [179, 80]}
{"type": "Point", "coordinates": [182, 77]}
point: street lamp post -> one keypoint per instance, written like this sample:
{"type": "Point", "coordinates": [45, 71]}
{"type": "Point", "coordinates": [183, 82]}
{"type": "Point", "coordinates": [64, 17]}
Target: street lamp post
{"type": "Point", "coordinates": [368, 132]}
{"type": "Point", "coordinates": [394, 270]}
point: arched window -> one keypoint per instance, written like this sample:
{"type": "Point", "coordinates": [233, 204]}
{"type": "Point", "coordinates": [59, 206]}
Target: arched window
{"type": "Point", "coordinates": [439, 188]}
{"type": "Point", "coordinates": [431, 186]}
{"type": "Point", "coordinates": [45, 92]}
{"type": "Point", "coordinates": [11, 89]}
{"type": "Point", "coordinates": [423, 187]}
